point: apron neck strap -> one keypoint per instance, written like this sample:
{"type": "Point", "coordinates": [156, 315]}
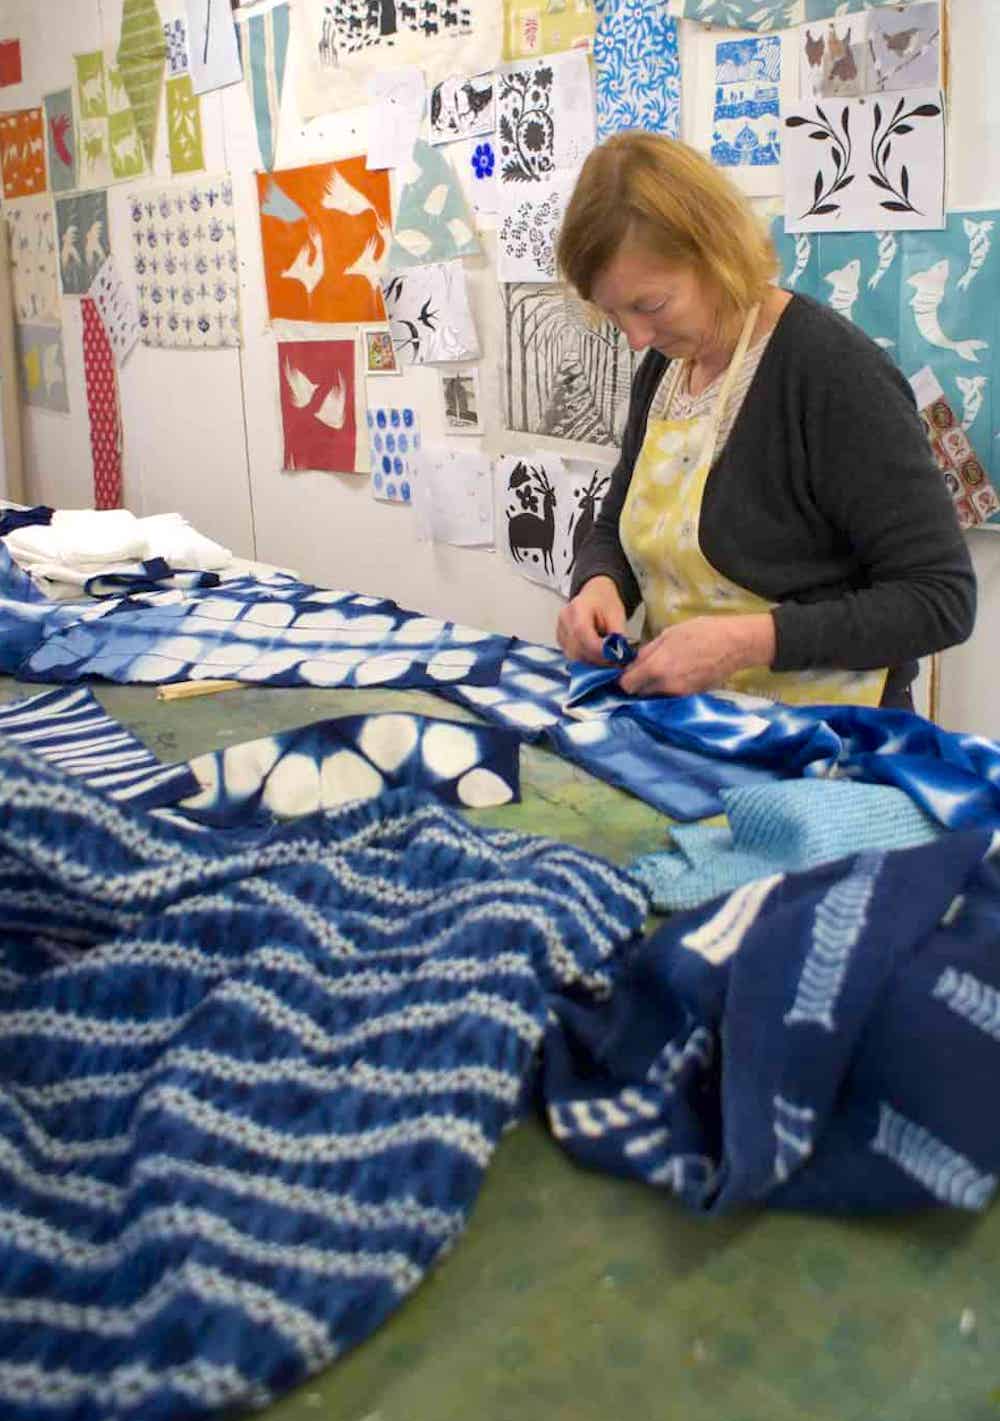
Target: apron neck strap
{"type": "Point", "coordinates": [733, 370]}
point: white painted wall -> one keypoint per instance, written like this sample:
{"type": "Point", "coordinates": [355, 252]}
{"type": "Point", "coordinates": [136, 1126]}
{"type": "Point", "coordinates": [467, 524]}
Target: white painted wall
{"type": "Point", "coordinates": [202, 430]}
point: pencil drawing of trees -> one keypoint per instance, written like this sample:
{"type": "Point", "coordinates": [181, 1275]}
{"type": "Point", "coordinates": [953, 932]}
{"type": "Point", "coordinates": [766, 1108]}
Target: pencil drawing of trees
{"type": "Point", "coordinates": [564, 375]}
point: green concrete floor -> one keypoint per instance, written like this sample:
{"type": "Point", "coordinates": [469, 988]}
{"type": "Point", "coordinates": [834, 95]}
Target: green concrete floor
{"type": "Point", "coordinates": [577, 1297]}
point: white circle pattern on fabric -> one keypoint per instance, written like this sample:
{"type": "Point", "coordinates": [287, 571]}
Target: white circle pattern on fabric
{"type": "Point", "coordinates": [270, 614]}
{"type": "Point", "coordinates": [451, 665]}
{"type": "Point", "coordinates": [379, 669]}
{"type": "Point", "coordinates": [534, 717]}
{"type": "Point", "coordinates": [460, 632]}
{"type": "Point", "coordinates": [244, 767]}
{"type": "Point", "coordinates": [448, 750]}
{"type": "Point", "coordinates": [332, 670]}
{"type": "Point", "coordinates": [293, 786]}
{"type": "Point", "coordinates": [483, 695]}
{"type": "Point", "coordinates": [388, 740]}
{"type": "Point", "coordinates": [481, 789]}
{"type": "Point", "coordinates": [419, 630]}
{"type": "Point", "coordinates": [539, 653]}
{"type": "Point", "coordinates": [205, 769]}
{"type": "Point", "coordinates": [588, 732]}
{"type": "Point", "coordinates": [345, 776]}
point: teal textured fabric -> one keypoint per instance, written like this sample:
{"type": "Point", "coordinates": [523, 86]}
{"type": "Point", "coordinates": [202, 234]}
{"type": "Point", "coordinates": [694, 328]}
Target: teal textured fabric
{"type": "Point", "coordinates": [780, 828]}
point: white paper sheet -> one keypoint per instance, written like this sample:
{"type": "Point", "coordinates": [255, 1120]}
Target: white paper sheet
{"type": "Point", "coordinates": [396, 100]}
{"type": "Point", "coordinates": [462, 108]}
{"type": "Point", "coordinates": [879, 165]}
{"type": "Point", "coordinates": [116, 309]}
{"type": "Point", "coordinates": [453, 497]}
{"type": "Point", "coordinates": [212, 45]}
{"type": "Point", "coordinates": [529, 219]}
{"type": "Point", "coordinates": [429, 315]}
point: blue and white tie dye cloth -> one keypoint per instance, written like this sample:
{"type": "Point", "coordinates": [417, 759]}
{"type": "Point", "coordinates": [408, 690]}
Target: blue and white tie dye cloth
{"type": "Point", "coordinates": [250, 1079]}
{"type": "Point", "coordinates": [274, 631]}
{"type": "Point", "coordinates": [827, 1041]}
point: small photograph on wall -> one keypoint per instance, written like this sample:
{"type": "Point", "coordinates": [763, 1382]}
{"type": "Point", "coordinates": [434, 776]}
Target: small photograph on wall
{"type": "Point", "coordinates": [904, 42]}
{"type": "Point", "coordinates": [460, 398]}
{"type": "Point", "coordinates": [378, 351]}
{"type": "Point", "coordinates": [834, 58]}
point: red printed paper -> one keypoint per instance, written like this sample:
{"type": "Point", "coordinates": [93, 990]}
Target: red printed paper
{"type": "Point", "coordinates": [317, 404]}
{"type": "Point", "coordinates": [102, 406]}
{"type": "Point", "coordinates": [10, 62]}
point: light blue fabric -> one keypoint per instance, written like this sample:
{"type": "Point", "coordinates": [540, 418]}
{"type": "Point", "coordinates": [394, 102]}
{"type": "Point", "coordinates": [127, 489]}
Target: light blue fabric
{"type": "Point", "coordinates": [768, 14]}
{"type": "Point", "coordinates": [779, 828]}
{"type": "Point", "coordinates": [637, 68]}
{"type": "Point", "coordinates": [878, 279]}
{"type": "Point", "coordinates": [264, 47]}
{"type": "Point", "coordinates": [825, 1040]}
{"type": "Point", "coordinates": [250, 1079]}
{"type": "Point", "coordinates": [432, 221]}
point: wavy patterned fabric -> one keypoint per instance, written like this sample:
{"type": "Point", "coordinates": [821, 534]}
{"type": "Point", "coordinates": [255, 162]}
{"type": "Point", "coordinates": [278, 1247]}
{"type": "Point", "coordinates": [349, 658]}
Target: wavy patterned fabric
{"type": "Point", "coordinates": [820, 1041]}
{"type": "Point", "coordinates": [637, 68]}
{"type": "Point", "coordinates": [250, 1080]}
{"type": "Point", "coordinates": [274, 631]}
{"type": "Point", "coordinates": [72, 730]}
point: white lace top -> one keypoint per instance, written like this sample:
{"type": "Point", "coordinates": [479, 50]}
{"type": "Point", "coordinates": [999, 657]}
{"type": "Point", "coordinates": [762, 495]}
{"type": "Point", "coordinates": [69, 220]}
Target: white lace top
{"type": "Point", "coordinates": [684, 405]}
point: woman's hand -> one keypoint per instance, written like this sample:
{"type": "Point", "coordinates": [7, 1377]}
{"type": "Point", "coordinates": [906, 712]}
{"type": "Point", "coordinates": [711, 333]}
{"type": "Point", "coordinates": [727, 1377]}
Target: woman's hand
{"type": "Point", "coordinates": [700, 654]}
{"type": "Point", "coordinates": [595, 612]}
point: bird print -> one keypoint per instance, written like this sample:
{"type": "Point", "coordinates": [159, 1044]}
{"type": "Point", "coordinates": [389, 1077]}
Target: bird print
{"type": "Point", "coordinates": [68, 253]}
{"type": "Point", "coordinates": [844, 67]}
{"type": "Point", "coordinates": [928, 293]}
{"type": "Point", "coordinates": [341, 196]}
{"type": "Point", "coordinates": [93, 251]}
{"type": "Point", "coordinates": [60, 127]}
{"type": "Point", "coordinates": [845, 287]}
{"type": "Point", "coordinates": [367, 265]}
{"type": "Point", "coordinates": [300, 388]}
{"type": "Point", "coordinates": [815, 49]}
{"type": "Point", "coordinates": [903, 42]}
{"type": "Point", "coordinates": [334, 406]}
{"type": "Point", "coordinates": [309, 263]}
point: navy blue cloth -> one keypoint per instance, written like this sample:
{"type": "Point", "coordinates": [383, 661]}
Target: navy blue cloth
{"type": "Point", "coordinates": [823, 1041]}
{"type": "Point", "coordinates": [12, 518]}
{"type": "Point", "coordinates": [156, 575]}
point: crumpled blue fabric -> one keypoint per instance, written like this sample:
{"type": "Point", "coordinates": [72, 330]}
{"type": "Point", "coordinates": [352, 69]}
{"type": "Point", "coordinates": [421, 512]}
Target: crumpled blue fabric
{"type": "Point", "coordinates": [818, 1041]}
{"type": "Point", "coordinates": [779, 828]}
{"type": "Point", "coordinates": [250, 1079]}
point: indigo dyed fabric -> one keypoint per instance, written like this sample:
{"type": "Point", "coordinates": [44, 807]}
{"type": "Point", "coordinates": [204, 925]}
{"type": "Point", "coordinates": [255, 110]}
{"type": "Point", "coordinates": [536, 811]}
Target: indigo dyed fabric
{"type": "Point", "coordinates": [250, 1080]}
{"type": "Point", "coordinates": [779, 828]}
{"type": "Point", "coordinates": [826, 1041]}
{"type": "Point", "coordinates": [637, 68]}
{"type": "Point", "coordinates": [72, 729]}
{"type": "Point", "coordinates": [275, 631]}
{"type": "Point", "coordinates": [359, 757]}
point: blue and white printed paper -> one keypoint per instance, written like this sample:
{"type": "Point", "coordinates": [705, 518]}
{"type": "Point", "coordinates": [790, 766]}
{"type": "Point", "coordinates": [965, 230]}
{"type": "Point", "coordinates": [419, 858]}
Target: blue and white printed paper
{"type": "Point", "coordinates": [637, 68]}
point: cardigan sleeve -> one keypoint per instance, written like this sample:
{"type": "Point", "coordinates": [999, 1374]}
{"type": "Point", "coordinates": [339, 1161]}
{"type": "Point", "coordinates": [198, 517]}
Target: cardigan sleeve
{"type": "Point", "coordinates": [871, 473]}
{"type": "Point", "coordinates": [602, 554]}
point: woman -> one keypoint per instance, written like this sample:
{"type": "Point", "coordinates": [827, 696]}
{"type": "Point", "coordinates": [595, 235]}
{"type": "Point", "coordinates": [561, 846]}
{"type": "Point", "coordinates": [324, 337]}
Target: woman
{"type": "Point", "coordinates": [776, 507]}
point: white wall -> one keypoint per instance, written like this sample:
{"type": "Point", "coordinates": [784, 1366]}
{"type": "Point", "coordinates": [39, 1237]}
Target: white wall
{"type": "Point", "coordinates": [202, 429]}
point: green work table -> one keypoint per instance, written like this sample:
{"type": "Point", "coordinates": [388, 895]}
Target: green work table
{"type": "Point", "coordinates": [578, 1297]}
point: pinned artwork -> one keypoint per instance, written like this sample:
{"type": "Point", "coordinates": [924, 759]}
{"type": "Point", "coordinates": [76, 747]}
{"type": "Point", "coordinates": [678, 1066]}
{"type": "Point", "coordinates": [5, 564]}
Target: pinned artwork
{"type": "Point", "coordinates": [483, 166]}
{"type": "Point", "coordinates": [175, 35]}
{"type": "Point", "coordinates": [264, 52]}
{"type": "Point", "coordinates": [453, 497]}
{"type": "Point", "coordinates": [141, 60]}
{"type": "Point", "coordinates": [429, 315]}
{"type": "Point", "coordinates": [82, 234]}
{"type": "Point", "coordinates": [972, 493]}
{"type": "Point", "coordinates": [60, 131]}
{"type": "Point", "coordinates": [637, 68]}
{"type": "Point", "coordinates": [42, 367]}
{"type": "Point", "coordinates": [865, 164]}
{"type": "Point", "coordinates": [341, 42]}
{"type": "Point", "coordinates": [536, 27]}
{"type": "Point", "coordinates": [396, 102]}
{"type": "Point", "coordinates": [746, 122]}
{"type": "Point", "coordinates": [549, 507]}
{"type": "Point", "coordinates": [462, 108]}
{"type": "Point", "coordinates": [528, 226]}
{"type": "Point", "coordinates": [102, 408]}
{"type": "Point", "coordinates": [212, 47]}
{"type": "Point", "coordinates": [186, 267]}
{"type": "Point", "coordinates": [317, 404]}
{"type": "Point", "coordinates": [919, 296]}
{"type": "Point", "coordinates": [324, 231]}
{"type": "Point", "coordinates": [564, 375]}
{"type": "Point", "coordinates": [22, 153]}
{"type": "Point", "coordinates": [834, 58]}
{"type": "Point", "coordinates": [394, 439]}
{"type": "Point", "coordinates": [433, 222]}
{"type": "Point", "coordinates": [378, 351]}
{"type": "Point", "coordinates": [904, 43]}
{"type": "Point", "coordinates": [187, 152]}
{"type": "Point", "coordinates": [116, 309]}
{"type": "Point", "coordinates": [33, 259]}
{"type": "Point", "coordinates": [125, 144]}
{"type": "Point", "coordinates": [754, 14]}
{"type": "Point", "coordinates": [460, 401]}
{"type": "Point", "coordinates": [93, 151]}
{"type": "Point", "coordinates": [10, 63]}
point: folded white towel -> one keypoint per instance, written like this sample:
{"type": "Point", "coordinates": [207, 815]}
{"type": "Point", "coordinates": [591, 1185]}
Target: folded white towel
{"type": "Point", "coordinates": [79, 543]}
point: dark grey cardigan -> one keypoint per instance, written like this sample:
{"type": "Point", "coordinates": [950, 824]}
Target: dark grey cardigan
{"type": "Point", "coordinates": [824, 499]}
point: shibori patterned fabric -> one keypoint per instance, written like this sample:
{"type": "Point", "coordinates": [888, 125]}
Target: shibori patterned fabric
{"type": "Point", "coordinates": [71, 729]}
{"type": "Point", "coordinates": [820, 1041]}
{"type": "Point", "coordinates": [275, 631]}
{"type": "Point", "coordinates": [359, 757]}
{"type": "Point", "coordinates": [250, 1079]}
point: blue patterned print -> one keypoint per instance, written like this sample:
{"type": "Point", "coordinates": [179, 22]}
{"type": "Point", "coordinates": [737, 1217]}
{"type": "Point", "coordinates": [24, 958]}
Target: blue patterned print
{"type": "Point", "coordinates": [637, 67]}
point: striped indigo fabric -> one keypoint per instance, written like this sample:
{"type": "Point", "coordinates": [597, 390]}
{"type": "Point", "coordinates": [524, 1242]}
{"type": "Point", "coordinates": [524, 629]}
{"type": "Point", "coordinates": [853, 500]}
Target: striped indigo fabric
{"type": "Point", "coordinates": [72, 729]}
{"type": "Point", "coordinates": [250, 1079]}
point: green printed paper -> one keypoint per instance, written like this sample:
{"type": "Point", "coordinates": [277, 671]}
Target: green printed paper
{"type": "Point", "coordinates": [184, 126]}
{"type": "Point", "coordinates": [127, 158]}
{"type": "Point", "coordinates": [90, 84]}
{"type": "Point", "coordinates": [142, 58]}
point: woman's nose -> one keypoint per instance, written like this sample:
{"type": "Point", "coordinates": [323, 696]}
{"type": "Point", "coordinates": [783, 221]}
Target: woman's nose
{"type": "Point", "coordinates": [637, 331]}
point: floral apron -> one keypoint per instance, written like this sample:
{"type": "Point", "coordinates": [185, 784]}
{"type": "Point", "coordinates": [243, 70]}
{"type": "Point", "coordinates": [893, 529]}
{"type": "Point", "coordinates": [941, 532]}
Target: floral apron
{"type": "Point", "coordinates": [659, 533]}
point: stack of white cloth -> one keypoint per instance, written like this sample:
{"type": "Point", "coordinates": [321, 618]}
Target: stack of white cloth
{"type": "Point", "coordinates": [81, 543]}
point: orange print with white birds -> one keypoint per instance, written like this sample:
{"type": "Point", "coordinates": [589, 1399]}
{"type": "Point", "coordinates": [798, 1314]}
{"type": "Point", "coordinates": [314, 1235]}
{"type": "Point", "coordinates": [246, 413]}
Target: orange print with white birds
{"type": "Point", "coordinates": [22, 153]}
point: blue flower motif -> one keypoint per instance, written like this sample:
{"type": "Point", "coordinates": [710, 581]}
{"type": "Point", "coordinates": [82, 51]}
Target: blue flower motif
{"type": "Point", "coordinates": [483, 160]}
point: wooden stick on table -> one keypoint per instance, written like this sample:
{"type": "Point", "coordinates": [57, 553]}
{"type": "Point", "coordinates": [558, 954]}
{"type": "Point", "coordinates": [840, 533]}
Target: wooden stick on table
{"type": "Point", "coordinates": [182, 690]}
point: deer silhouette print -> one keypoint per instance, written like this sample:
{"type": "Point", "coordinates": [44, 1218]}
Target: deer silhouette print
{"type": "Point", "coordinates": [529, 532]}
{"type": "Point", "coordinates": [590, 497]}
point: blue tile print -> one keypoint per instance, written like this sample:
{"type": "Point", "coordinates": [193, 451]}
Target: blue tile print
{"type": "Point", "coordinates": [250, 1079]}
{"type": "Point", "coordinates": [637, 68]}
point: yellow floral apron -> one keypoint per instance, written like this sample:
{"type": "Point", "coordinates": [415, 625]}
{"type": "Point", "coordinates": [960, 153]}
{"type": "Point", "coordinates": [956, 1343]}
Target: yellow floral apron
{"type": "Point", "coordinates": [659, 533]}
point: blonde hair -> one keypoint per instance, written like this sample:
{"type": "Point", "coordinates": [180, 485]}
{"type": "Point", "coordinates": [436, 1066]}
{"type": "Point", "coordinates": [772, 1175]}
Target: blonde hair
{"type": "Point", "coordinates": [666, 198]}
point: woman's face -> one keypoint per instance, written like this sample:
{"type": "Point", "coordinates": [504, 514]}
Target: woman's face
{"type": "Point", "coordinates": [654, 303]}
